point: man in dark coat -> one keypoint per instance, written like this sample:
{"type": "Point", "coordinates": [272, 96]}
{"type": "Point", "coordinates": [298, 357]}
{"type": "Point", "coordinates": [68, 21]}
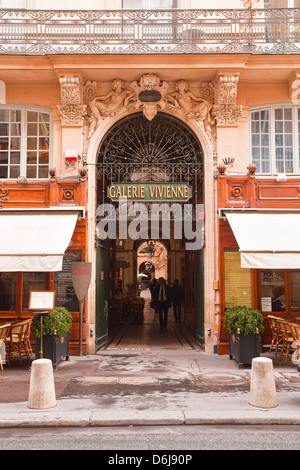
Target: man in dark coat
{"type": "Point", "coordinates": [162, 296]}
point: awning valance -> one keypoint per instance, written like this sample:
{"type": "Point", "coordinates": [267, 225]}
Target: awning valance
{"type": "Point", "coordinates": [267, 240]}
{"type": "Point", "coordinates": [35, 241]}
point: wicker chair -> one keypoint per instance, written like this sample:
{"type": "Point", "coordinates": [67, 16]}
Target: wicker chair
{"type": "Point", "coordinates": [18, 341]}
{"type": "Point", "coordinates": [277, 338]}
{"type": "Point", "coordinates": [287, 338]}
{"type": "Point", "coordinates": [4, 334]}
{"type": "Point", "coordinates": [295, 331]}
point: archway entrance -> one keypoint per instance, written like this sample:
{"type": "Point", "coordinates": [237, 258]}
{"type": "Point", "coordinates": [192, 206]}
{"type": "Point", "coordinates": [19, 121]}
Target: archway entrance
{"type": "Point", "coordinates": [152, 261]}
{"type": "Point", "coordinates": [149, 183]}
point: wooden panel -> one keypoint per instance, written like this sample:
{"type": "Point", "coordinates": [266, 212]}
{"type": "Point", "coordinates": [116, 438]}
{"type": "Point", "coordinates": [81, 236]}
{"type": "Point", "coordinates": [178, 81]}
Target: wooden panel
{"type": "Point", "coordinates": [237, 193]}
{"type": "Point", "coordinates": [250, 192]}
{"type": "Point", "coordinates": [38, 194]}
{"type": "Point", "coordinates": [14, 195]}
{"type": "Point", "coordinates": [278, 195]}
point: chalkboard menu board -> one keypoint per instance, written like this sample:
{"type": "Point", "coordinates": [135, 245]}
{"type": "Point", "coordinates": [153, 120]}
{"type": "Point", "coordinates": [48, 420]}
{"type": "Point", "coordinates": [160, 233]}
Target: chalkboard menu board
{"type": "Point", "coordinates": [65, 295]}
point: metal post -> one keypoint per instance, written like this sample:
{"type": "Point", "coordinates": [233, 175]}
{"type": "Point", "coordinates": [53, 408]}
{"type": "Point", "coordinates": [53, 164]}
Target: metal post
{"type": "Point", "coordinates": [41, 346]}
{"type": "Point", "coordinates": [80, 327]}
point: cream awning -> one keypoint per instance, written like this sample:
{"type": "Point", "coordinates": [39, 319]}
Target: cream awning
{"type": "Point", "coordinates": [267, 240]}
{"type": "Point", "coordinates": [35, 241]}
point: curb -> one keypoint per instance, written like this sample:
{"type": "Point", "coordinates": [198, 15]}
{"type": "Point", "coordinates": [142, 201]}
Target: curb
{"type": "Point", "coordinates": [146, 418]}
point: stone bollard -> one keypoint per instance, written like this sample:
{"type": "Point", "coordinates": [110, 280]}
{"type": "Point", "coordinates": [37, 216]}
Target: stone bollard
{"type": "Point", "coordinates": [41, 389]}
{"type": "Point", "coordinates": [262, 387]}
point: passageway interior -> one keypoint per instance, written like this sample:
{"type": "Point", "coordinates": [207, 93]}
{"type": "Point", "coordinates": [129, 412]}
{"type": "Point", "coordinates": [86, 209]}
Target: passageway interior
{"type": "Point", "coordinates": [163, 153]}
{"type": "Point", "coordinates": [147, 334]}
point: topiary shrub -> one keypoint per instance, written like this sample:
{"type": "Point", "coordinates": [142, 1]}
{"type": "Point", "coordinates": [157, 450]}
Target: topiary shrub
{"type": "Point", "coordinates": [57, 322]}
{"type": "Point", "coordinates": [243, 320]}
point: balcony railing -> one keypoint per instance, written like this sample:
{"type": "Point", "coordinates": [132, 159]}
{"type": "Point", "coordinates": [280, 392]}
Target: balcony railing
{"type": "Point", "coordinates": [43, 32]}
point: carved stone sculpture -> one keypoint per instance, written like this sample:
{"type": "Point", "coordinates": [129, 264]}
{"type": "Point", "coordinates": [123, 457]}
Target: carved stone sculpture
{"type": "Point", "coordinates": [109, 104]}
{"type": "Point", "coordinates": [150, 82]}
{"type": "Point", "coordinates": [226, 111]}
{"type": "Point", "coordinates": [150, 94]}
{"type": "Point", "coordinates": [71, 110]}
{"type": "Point", "coordinates": [192, 106]}
{"type": "Point", "coordinates": [294, 88]}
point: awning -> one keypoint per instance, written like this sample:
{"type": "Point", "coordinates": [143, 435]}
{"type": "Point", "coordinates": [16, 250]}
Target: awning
{"type": "Point", "coordinates": [267, 240]}
{"type": "Point", "coordinates": [35, 241]}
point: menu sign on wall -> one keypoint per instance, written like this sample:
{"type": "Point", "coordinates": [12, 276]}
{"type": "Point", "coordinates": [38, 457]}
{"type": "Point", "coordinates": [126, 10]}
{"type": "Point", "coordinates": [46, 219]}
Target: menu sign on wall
{"type": "Point", "coordinates": [238, 281]}
{"type": "Point", "coordinates": [65, 294]}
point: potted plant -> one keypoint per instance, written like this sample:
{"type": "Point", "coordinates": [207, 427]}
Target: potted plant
{"type": "Point", "coordinates": [243, 325]}
{"type": "Point", "coordinates": [56, 328]}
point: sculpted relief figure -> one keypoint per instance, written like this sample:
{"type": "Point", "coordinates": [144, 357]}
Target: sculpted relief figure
{"type": "Point", "coordinates": [135, 96]}
{"type": "Point", "coordinates": [150, 82]}
{"type": "Point", "coordinates": [191, 105]}
{"type": "Point", "coordinates": [109, 104]}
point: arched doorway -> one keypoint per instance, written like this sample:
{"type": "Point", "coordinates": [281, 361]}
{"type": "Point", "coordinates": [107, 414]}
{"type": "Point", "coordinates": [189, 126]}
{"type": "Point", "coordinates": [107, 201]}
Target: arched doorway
{"type": "Point", "coordinates": [152, 260]}
{"type": "Point", "coordinates": [148, 163]}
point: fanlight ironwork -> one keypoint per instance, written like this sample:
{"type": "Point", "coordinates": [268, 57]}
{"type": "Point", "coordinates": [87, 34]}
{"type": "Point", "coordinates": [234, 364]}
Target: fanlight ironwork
{"type": "Point", "coordinates": [161, 150]}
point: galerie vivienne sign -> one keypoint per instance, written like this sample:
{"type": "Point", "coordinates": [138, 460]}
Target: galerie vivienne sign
{"type": "Point", "coordinates": [150, 191]}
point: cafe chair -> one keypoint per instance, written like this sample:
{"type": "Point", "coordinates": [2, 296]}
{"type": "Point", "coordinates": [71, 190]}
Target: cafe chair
{"type": "Point", "coordinates": [287, 338]}
{"type": "Point", "coordinates": [277, 338]}
{"type": "Point", "coordinates": [295, 330]}
{"type": "Point", "coordinates": [18, 341]}
{"type": "Point", "coordinates": [4, 334]}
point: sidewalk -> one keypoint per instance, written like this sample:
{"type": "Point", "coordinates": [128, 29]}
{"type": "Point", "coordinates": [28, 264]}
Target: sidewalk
{"type": "Point", "coordinates": [148, 387]}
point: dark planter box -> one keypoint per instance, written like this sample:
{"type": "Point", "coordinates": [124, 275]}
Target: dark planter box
{"type": "Point", "coordinates": [244, 348]}
{"type": "Point", "coordinates": [54, 348]}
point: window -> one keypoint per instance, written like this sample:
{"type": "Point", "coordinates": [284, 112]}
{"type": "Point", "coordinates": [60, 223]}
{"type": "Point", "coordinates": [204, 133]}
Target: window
{"type": "Point", "coordinates": [24, 142]}
{"type": "Point", "coordinates": [275, 139]}
{"type": "Point", "coordinates": [32, 281]}
{"type": "Point", "coordinates": [280, 292]}
{"type": "Point", "coordinates": [148, 4]}
{"type": "Point", "coordinates": [272, 291]}
{"type": "Point", "coordinates": [8, 283]}
{"type": "Point", "coordinates": [295, 288]}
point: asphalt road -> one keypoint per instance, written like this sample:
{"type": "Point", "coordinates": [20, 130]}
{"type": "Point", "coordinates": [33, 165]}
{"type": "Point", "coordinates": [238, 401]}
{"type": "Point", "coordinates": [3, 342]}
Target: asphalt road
{"type": "Point", "coordinates": [153, 439]}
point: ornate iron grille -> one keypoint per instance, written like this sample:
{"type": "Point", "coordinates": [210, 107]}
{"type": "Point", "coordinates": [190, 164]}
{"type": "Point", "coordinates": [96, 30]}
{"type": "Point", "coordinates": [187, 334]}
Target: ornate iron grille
{"type": "Point", "coordinates": [163, 150]}
{"type": "Point", "coordinates": [43, 32]}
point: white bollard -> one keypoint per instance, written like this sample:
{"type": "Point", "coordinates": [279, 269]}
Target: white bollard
{"type": "Point", "coordinates": [41, 389]}
{"type": "Point", "coordinates": [262, 387]}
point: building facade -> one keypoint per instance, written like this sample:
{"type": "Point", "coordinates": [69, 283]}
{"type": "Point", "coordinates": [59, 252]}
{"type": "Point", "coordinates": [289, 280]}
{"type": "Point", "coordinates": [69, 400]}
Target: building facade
{"type": "Point", "coordinates": [197, 107]}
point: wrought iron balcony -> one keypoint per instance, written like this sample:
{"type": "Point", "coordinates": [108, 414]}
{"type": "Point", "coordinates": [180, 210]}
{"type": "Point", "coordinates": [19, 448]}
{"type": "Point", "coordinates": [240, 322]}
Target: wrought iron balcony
{"type": "Point", "coordinates": [42, 32]}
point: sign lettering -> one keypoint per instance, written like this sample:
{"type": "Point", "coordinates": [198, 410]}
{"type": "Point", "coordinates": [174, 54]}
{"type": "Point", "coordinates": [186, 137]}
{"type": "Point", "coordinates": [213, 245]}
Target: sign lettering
{"type": "Point", "coordinates": [150, 191]}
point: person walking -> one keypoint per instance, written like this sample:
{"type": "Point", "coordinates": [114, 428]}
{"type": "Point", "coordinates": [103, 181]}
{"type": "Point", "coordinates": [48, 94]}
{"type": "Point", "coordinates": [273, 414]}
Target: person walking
{"type": "Point", "coordinates": [163, 301]}
{"type": "Point", "coordinates": [153, 287]}
{"type": "Point", "coordinates": [177, 297]}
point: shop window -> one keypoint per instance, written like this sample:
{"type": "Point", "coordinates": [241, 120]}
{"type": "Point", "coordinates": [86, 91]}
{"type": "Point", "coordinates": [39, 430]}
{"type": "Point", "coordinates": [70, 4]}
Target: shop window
{"type": "Point", "coordinates": [32, 281]}
{"type": "Point", "coordinates": [275, 134]}
{"type": "Point", "coordinates": [24, 143]}
{"type": "Point", "coordinates": [237, 280]}
{"type": "Point", "coordinates": [295, 291]}
{"type": "Point", "coordinates": [8, 286]}
{"type": "Point", "coordinates": [272, 291]}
